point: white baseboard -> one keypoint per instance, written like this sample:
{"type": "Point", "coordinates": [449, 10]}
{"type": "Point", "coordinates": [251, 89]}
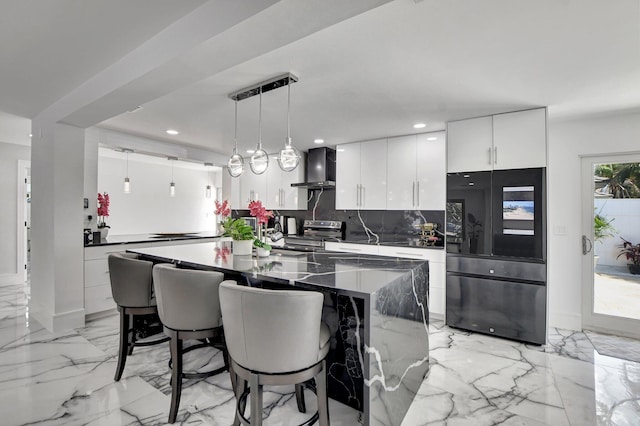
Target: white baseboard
{"type": "Point", "coordinates": [565, 321]}
{"type": "Point", "coordinates": [58, 322]}
{"type": "Point", "coordinates": [11, 279]}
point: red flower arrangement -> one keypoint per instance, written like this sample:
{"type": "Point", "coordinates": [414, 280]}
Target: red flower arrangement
{"type": "Point", "coordinates": [103, 209]}
{"type": "Point", "coordinates": [222, 209]}
{"type": "Point", "coordinates": [257, 210]}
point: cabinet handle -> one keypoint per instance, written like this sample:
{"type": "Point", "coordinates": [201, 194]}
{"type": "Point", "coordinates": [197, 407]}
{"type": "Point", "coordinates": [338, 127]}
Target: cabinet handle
{"type": "Point", "coordinates": [490, 157]}
{"type": "Point", "coordinates": [358, 195]}
{"type": "Point", "coordinates": [495, 155]}
{"type": "Point", "coordinates": [413, 193]}
{"type": "Point", "coordinates": [363, 194]}
{"type": "Point", "coordinates": [407, 254]}
{"type": "Point", "coordinates": [418, 193]}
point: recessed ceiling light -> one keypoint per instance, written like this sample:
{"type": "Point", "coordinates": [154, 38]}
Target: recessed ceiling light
{"type": "Point", "coordinates": [318, 141]}
{"type": "Point", "coordinates": [432, 138]}
{"type": "Point", "coordinates": [30, 135]}
{"type": "Point", "coordinates": [251, 151]}
{"type": "Point", "coordinates": [172, 132]}
{"type": "Point", "coordinates": [471, 183]}
{"type": "Point", "coordinates": [465, 176]}
{"type": "Point", "coordinates": [419, 125]}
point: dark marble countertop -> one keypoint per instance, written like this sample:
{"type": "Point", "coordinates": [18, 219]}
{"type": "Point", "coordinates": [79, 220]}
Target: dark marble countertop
{"type": "Point", "coordinates": [152, 238]}
{"type": "Point", "coordinates": [355, 274]}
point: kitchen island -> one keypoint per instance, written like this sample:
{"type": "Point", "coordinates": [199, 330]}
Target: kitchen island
{"type": "Point", "coordinates": [375, 307]}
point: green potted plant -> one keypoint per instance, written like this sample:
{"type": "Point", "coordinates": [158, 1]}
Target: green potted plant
{"type": "Point", "coordinates": [241, 233]}
{"type": "Point", "coordinates": [632, 253]}
{"type": "Point", "coordinates": [602, 227]}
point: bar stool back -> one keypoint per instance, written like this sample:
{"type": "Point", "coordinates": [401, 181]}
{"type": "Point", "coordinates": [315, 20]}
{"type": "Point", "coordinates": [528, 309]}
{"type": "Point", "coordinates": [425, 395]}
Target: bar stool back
{"type": "Point", "coordinates": [275, 337]}
{"type": "Point", "coordinates": [132, 290]}
{"type": "Point", "coordinates": [189, 307]}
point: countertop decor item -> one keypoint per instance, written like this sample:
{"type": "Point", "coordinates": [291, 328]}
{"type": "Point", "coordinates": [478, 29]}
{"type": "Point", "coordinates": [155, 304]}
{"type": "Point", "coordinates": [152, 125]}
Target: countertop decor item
{"type": "Point", "coordinates": [632, 253]}
{"type": "Point", "coordinates": [224, 211]}
{"type": "Point", "coordinates": [257, 210]}
{"type": "Point", "coordinates": [103, 213]}
{"type": "Point", "coordinates": [242, 235]}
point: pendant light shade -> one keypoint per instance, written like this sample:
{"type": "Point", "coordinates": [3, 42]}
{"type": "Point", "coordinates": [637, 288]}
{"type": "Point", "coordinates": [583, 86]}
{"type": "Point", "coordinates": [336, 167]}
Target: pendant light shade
{"type": "Point", "coordinates": [235, 165]}
{"type": "Point", "coordinates": [127, 183]}
{"type": "Point", "coordinates": [289, 156]}
{"type": "Point", "coordinates": [172, 185]}
{"type": "Point", "coordinates": [207, 191]}
{"type": "Point", "coordinates": [260, 159]}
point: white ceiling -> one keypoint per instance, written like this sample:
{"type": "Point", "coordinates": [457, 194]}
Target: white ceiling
{"type": "Point", "coordinates": [361, 77]}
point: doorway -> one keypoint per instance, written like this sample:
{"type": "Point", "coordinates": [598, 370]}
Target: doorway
{"type": "Point", "coordinates": [610, 214]}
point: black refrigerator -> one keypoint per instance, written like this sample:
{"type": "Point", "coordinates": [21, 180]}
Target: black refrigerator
{"type": "Point", "coordinates": [496, 253]}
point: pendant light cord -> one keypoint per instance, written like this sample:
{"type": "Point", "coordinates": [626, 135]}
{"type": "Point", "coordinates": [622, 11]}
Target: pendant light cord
{"type": "Point", "coordinates": [288, 109]}
{"type": "Point", "coordinates": [260, 122]}
{"type": "Point", "coordinates": [172, 160]}
{"type": "Point", "coordinates": [235, 136]}
{"type": "Point", "coordinates": [127, 164]}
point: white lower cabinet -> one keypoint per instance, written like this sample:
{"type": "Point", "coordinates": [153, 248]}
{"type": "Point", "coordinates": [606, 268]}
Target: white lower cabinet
{"type": "Point", "coordinates": [436, 258]}
{"type": "Point", "coordinates": [97, 284]}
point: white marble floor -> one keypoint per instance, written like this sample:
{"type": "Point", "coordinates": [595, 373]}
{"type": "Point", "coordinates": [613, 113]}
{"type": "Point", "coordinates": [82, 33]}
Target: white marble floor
{"type": "Point", "coordinates": [67, 379]}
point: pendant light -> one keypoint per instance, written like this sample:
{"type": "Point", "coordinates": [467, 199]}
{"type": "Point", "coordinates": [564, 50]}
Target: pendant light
{"type": "Point", "coordinates": [127, 182]}
{"type": "Point", "coordinates": [235, 165]}
{"type": "Point", "coordinates": [172, 185]}
{"type": "Point", "coordinates": [260, 159]}
{"type": "Point", "coordinates": [289, 156]}
{"type": "Point", "coordinates": [207, 191]}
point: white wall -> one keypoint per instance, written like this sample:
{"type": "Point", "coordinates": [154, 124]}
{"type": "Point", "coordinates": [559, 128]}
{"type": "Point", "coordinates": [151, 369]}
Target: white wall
{"type": "Point", "coordinates": [626, 215]}
{"type": "Point", "coordinates": [9, 156]}
{"type": "Point", "coordinates": [568, 140]}
{"type": "Point", "coordinates": [149, 208]}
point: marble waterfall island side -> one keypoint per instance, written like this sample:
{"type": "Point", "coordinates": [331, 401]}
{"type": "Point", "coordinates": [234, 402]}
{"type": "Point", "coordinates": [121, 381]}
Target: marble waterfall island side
{"type": "Point", "coordinates": [376, 309]}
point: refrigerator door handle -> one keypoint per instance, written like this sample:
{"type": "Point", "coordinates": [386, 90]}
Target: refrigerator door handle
{"type": "Point", "coordinates": [585, 249]}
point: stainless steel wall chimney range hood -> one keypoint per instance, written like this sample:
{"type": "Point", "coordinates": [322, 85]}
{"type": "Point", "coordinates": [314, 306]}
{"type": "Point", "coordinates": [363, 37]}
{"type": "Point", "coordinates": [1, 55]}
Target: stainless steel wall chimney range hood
{"type": "Point", "coordinates": [321, 169]}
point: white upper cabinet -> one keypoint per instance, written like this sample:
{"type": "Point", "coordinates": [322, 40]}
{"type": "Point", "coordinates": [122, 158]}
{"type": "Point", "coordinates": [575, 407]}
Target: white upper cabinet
{"type": "Point", "coordinates": [470, 145]}
{"type": "Point", "coordinates": [361, 176]}
{"type": "Point", "coordinates": [519, 139]}
{"type": "Point", "coordinates": [416, 174]}
{"type": "Point", "coordinates": [513, 140]}
{"type": "Point", "coordinates": [431, 171]}
{"type": "Point", "coordinates": [253, 187]}
{"type": "Point", "coordinates": [280, 195]}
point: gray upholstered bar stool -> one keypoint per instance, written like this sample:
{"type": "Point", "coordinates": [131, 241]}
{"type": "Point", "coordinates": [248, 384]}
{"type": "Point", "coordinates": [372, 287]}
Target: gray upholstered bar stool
{"type": "Point", "coordinates": [132, 290]}
{"type": "Point", "coordinates": [275, 337]}
{"type": "Point", "coordinates": [189, 308]}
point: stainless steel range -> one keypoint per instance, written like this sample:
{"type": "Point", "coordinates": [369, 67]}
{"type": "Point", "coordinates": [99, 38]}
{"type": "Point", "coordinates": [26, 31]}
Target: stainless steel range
{"type": "Point", "coordinates": [315, 233]}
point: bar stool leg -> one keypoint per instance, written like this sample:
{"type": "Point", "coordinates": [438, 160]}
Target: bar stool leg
{"type": "Point", "coordinates": [302, 407]}
{"type": "Point", "coordinates": [256, 400]}
{"type": "Point", "coordinates": [124, 345]}
{"type": "Point", "coordinates": [176, 377]}
{"type": "Point", "coordinates": [323, 401]}
{"type": "Point", "coordinates": [132, 336]}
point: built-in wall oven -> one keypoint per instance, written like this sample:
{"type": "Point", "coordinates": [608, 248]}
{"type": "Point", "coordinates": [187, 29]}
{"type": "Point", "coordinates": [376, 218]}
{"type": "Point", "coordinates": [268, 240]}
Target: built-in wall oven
{"type": "Point", "coordinates": [496, 253]}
